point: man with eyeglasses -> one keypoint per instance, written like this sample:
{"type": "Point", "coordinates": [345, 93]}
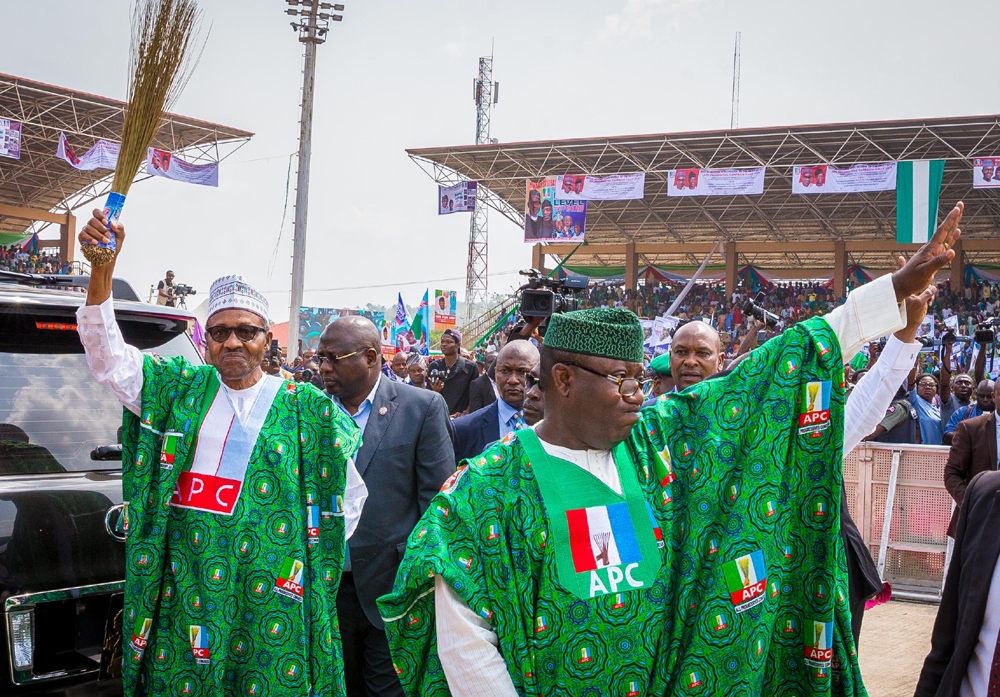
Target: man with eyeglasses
{"type": "Point", "coordinates": [241, 491]}
{"type": "Point", "coordinates": [477, 431]}
{"type": "Point", "coordinates": [688, 547]}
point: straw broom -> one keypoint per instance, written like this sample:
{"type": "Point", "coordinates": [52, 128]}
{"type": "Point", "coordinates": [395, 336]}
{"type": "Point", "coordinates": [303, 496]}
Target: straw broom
{"type": "Point", "coordinates": [160, 62]}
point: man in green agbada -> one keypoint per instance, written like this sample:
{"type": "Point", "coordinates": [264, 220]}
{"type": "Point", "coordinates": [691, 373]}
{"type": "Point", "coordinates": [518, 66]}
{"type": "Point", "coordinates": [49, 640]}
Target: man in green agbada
{"type": "Point", "coordinates": [240, 491]}
{"type": "Point", "coordinates": [690, 548]}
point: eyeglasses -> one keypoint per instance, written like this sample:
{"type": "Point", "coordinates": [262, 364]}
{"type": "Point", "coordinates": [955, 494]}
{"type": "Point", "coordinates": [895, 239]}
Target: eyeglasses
{"type": "Point", "coordinates": [334, 359]}
{"type": "Point", "coordinates": [626, 386]}
{"type": "Point", "coordinates": [530, 381]}
{"type": "Point", "coordinates": [244, 332]}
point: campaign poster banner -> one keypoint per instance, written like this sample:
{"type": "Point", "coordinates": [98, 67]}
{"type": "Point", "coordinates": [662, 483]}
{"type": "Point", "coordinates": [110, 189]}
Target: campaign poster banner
{"type": "Point", "coordinates": [549, 218]}
{"type": "Point", "coordinates": [460, 198]}
{"type": "Point", "coordinates": [827, 179]}
{"type": "Point", "coordinates": [104, 155]}
{"type": "Point", "coordinates": [10, 139]}
{"type": "Point", "coordinates": [161, 163]}
{"type": "Point", "coordinates": [715, 182]}
{"type": "Point", "coordinates": [985, 174]}
{"type": "Point", "coordinates": [613, 187]}
{"type": "Point", "coordinates": [313, 320]}
{"type": "Point", "coordinates": [445, 309]}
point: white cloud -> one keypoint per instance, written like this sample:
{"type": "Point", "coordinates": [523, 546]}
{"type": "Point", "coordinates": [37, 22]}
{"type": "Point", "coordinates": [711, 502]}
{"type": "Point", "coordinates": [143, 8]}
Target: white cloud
{"type": "Point", "coordinates": [636, 18]}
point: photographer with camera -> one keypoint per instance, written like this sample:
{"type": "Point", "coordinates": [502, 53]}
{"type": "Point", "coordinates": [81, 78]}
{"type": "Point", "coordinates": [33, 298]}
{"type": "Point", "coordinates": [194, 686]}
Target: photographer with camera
{"type": "Point", "coordinates": [451, 375]}
{"type": "Point", "coordinates": [165, 290]}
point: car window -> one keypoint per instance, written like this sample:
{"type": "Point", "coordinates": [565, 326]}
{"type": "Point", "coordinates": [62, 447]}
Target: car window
{"type": "Point", "coordinates": [53, 412]}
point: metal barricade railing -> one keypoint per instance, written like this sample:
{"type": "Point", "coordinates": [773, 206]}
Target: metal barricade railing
{"type": "Point", "coordinates": [911, 548]}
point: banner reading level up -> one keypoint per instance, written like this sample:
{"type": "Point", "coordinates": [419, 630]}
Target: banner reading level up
{"type": "Point", "coordinates": [918, 188]}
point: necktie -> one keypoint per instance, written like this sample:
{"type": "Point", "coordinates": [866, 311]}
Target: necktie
{"type": "Point", "coordinates": [993, 687]}
{"type": "Point", "coordinates": [517, 421]}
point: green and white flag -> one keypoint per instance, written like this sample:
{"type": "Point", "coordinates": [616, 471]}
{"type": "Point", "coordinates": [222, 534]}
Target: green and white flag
{"type": "Point", "coordinates": [918, 187]}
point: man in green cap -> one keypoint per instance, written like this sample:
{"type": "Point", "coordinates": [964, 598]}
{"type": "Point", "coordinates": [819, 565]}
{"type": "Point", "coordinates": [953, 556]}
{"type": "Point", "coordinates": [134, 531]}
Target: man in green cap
{"type": "Point", "coordinates": [659, 373]}
{"type": "Point", "coordinates": [687, 548]}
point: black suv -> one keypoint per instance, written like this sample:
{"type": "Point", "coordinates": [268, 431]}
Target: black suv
{"type": "Point", "coordinates": [62, 552]}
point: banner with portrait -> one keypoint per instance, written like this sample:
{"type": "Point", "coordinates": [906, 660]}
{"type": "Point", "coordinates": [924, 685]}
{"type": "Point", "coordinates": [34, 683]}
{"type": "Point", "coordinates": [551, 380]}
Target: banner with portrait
{"type": "Point", "coordinates": [549, 218]}
{"type": "Point", "coordinates": [10, 139]}
{"type": "Point", "coordinates": [161, 163]}
{"type": "Point", "coordinates": [103, 155]}
{"type": "Point", "coordinates": [827, 179]}
{"type": "Point", "coordinates": [985, 172]}
{"type": "Point", "coordinates": [460, 198]}
{"type": "Point", "coordinates": [313, 320]}
{"type": "Point", "coordinates": [612, 187]}
{"type": "Point", "coordinates": [715, 182]}
{"type": "Point", "coordinates": [445, 309]}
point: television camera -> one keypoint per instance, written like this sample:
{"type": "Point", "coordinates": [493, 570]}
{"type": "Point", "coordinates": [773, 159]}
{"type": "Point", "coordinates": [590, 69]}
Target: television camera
{"type": "Point", "coordinates": [543, 297]}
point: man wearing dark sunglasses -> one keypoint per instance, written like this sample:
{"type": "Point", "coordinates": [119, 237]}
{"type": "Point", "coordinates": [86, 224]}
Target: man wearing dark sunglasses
{"type": "Point", "coordinates": [243, 491]}
{"type": "Point", "coordinates": [688, 547]}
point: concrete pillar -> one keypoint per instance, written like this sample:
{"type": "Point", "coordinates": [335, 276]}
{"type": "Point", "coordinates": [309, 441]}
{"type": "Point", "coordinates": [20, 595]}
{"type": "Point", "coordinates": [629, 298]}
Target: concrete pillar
{"type": "Point", "coordinates": [958, 269]}
{"type": "Point", "coordinates": [730, 269]}
{"type": "Point", "coordinates": [631, 267]}
{"type": "Point", "coordinates": [839, 269]}
{"type": "Point", "coordinates": [67, 239]}
{"type": "Point", "coordinates": [537, 258]}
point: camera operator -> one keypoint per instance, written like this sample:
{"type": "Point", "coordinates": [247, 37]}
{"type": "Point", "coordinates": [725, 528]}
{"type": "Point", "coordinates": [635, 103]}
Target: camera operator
{"type": "Point", "coordinates": [165, 290]}
{"type": "Point", "coordinates": [452, 375]}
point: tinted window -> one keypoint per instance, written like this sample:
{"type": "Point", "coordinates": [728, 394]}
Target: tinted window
{"type": "Point", "coordinates": [53, 412]}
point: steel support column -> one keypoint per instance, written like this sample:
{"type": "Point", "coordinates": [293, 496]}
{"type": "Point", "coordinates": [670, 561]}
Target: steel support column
{"type": "Point", "coordinates": [67, 238]}
{"type": "Point", "coordinates": [631, 267]}
{"type": "Point", "coordinates": [958, 269]}
{"type": "Point", "coordinates": [537, 258]}
{"type": "Point", "coordinates": [839, 269]}
{"type": "Point", "coordinates": [730, 269]}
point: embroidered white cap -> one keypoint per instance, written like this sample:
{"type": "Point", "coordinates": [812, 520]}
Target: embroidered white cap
{"type": "Point", "coordinates": [234, 293]}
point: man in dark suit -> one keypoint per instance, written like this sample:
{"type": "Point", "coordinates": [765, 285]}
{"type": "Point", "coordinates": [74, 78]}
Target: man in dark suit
{"type": "Point", "coordinates": [964, 639]}
{"type": "Point", "coordinates": [973, 450]}
{"type": "Point", "coordinates": [405, 457]}
{"type": "Point", "coordinates": [482, 392]}
{"type": "Point", "coordinates": [476, 431]}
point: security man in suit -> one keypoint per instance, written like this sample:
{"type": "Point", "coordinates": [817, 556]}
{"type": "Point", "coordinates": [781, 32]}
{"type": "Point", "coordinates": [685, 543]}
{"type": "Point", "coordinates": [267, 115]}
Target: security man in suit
{"type": "Point", "coordinates": [973, 450]}
{"type": "Point", "coordinates": [475, 431]}
{"type": "Point", "coordinates": [405, 457]}
{"type": "Point", "coordinates": [965, 637]}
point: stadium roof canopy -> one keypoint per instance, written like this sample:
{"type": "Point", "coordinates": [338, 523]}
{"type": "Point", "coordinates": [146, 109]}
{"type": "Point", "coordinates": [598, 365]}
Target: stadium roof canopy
{"type": "Point", "coordinates": [40, 181]}
{"type": "Point", "coordinates": [775, 230]}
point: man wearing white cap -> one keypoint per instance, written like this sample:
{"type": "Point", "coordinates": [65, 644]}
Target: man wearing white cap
{"type": "Point", "coordinates": [241, 491]}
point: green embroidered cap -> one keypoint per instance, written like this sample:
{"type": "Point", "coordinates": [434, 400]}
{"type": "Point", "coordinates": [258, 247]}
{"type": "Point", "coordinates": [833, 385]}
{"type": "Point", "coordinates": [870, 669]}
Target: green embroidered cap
{"type": "Point", "coordinates": [609, 332]}
{"type": "Point", "coordinates": [661, 364]}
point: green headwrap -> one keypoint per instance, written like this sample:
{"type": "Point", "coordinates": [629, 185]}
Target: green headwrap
{"type": "Point", "coordinates": [661, 364]}
{"type": "Point", "coordinates": [609, 332]}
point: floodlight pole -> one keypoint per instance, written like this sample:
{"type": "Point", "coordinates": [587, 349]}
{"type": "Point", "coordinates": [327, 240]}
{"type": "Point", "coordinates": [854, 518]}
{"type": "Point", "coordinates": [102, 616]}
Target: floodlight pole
{"type": "Point", "coordinates": [313, 29]}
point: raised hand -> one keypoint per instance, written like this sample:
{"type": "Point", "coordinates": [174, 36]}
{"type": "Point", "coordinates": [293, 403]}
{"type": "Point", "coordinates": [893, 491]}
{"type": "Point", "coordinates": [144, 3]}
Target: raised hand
{"type": "Point", "coordinates": [96, 230]}
{"type": "Point", "coordinates": [918, 273]}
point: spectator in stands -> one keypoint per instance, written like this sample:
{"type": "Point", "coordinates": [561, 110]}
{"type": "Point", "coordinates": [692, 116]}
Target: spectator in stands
{"type": "Point", "coordinates": [451, 375]}
{"type": "Point", "coordinates": [973, 450]}
{"type": "Point", "coordinates": [695, 353]}
{"type": "Point", "coordinates": [984, 403]}
{"type": "Point", "coordinates": [397, 368]}
{"type": "Point", "coordinates": [957, 392]}
{"type": "Point", "coordinates": [922, 397]}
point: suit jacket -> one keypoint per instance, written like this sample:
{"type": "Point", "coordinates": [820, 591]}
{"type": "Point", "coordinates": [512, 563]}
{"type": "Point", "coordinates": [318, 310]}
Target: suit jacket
{"type": "Point", "coordinates": [405, 457]}
{"type": "Point", "coordinates": [973, 450]}
{"type": "Point", "coordinates": [473, 432]}
{"type": "Point", "coordinates": [966, 589]}
{"type": "Point", "coordinates": [481, 393]}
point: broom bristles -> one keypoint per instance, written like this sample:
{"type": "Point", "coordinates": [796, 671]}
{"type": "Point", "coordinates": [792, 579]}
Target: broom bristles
{"type": "Point", "coordinates": [161, 60]}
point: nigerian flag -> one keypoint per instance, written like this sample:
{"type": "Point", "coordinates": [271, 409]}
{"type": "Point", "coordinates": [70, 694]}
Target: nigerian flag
{"type": "Point", "coordinates": [918, 187]}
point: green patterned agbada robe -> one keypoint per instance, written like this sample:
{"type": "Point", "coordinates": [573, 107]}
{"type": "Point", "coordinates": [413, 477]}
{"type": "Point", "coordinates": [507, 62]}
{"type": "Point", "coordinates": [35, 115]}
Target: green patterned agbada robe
{"type": "Point", "coordinates": [740, 477]}
{"type": "Point", "coordinates": [208, 610]}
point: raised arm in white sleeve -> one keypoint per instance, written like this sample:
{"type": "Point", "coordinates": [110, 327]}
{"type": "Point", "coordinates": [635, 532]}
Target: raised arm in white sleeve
{"type": "Point", "coordinates": [468, 648]}
{"type": "Point", "coordinates": [870, 312]}
{"type": "Point", "coordinates": [868, 401]}
{"type": "Point", "coordinates": [111, 360]}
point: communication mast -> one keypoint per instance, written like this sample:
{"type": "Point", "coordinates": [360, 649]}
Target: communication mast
{"type": "Point", "coordinates": [734, 121]}
{"type": "Point", "coordinates": [485, 94]}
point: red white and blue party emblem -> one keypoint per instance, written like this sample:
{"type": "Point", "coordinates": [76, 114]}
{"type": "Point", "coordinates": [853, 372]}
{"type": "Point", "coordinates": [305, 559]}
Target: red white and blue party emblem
{"type": "Point", "coordinates": [586, 655]}
{"type": "Point", "coordinates": [541, 624]}
{"type": "Point", "coordinates": [312, 523]}
{"type": "Point", "coordinates": [289, 580]}
{"type": "Point", "coordinates": [819, 644]}
{"type": "Point", "coordinates": [769, 509]}
{"type": "Point", "coordinates": [657, 531]}
{"type": "Point", "coordinates": [199, 644]}
{"type": "Point", "coordinates": [602, 536]}
{"type": "Point", "coordinates": [746, 579]}
{"type": "Point", "coordinates": [720, 623]}
{"type": "Point", "coordinates": [694, 680]}
{"type": "Point", "coordinates": [494, 532]}
{"type": "Point", "coordinates": [140, 635]}
{"type": "Point", "coordinates": [620, 601]}
{"type": "Point", "coordinates": [814, 403]}
{"type": "Point", "coordinates": [633, 689]}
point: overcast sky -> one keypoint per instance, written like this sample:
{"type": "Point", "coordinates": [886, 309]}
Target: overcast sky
{"type": "Point", "coordinates": [397, 74]}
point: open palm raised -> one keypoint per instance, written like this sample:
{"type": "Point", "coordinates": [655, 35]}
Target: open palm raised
{"type": "Point", "coordinates": [918, 273]}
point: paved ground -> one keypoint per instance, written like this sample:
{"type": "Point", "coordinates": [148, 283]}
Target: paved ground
{"type": "Point", "coordinates": [895, 638]}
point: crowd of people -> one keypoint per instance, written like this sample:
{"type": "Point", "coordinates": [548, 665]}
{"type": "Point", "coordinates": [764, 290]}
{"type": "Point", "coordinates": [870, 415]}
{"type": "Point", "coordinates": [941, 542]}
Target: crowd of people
{"type": "Point", "coordinates": [416, 542]}
{"type": "Point", "coordinates": [13, 258]}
